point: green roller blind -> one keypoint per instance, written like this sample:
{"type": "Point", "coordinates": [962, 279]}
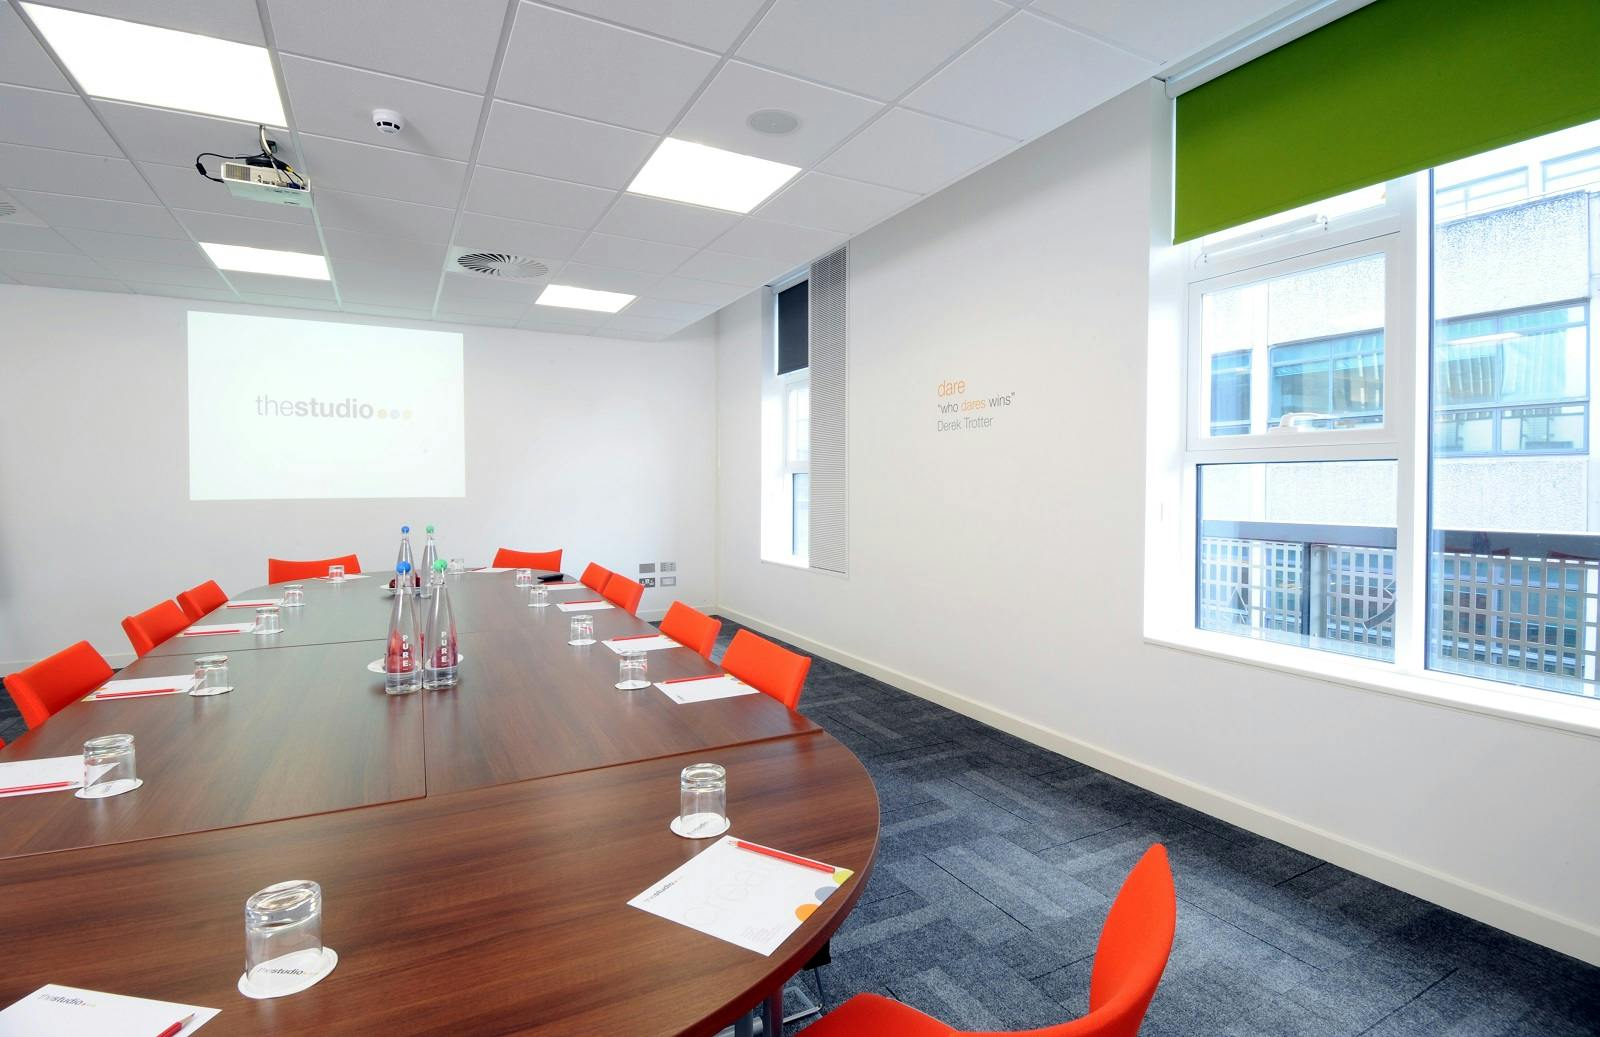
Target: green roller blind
{"type": "Point", "coordinates": [1389, 89]}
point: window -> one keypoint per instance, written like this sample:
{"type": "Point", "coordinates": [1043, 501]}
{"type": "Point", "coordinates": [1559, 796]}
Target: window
{"type": "Point", "coordinates": [1387, 451]}
{"type": "Point", "coordinates": [794, 333]}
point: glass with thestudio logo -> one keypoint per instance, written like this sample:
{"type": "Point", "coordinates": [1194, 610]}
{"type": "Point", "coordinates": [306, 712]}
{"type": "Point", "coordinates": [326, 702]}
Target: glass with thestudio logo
{"type": "Point", "coordinates": [283, 937]}
{"type": "Point", "coordinates": [335, 574]}
{"type": "Point", "coordinates": [294, 595]}
{"type": "Point", "coordinates": [524, 578]}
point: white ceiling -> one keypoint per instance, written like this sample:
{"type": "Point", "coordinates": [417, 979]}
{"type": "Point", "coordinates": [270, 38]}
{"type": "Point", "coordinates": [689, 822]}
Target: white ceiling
{"type": "Point", "coordinates": [524, 122]}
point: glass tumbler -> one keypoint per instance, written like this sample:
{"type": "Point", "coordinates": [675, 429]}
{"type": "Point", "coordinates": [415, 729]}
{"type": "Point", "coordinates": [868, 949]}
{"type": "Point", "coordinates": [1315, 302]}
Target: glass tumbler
{"type": "Point", "coordinates": [294, 595]}
{"type": "Point", "coordinates": [210, 676]}
{"type": "Point", "coordinates": [632, 670]}
{"type": "Point", "coordinates": [283, 936]}
{"type": "Point", "coordinates": [582, 630]}
{"type": "Point", "coordinates": [269, 620]}
{"type": "Point", "coordinates": [702, 800]}
{"type": "Point", "coordinates": [108, 766]}
{"type": "Point", "coordinates": [335, 573]}
{"type": "Point", "coordinates": [457, 566]}
{"type": "Point", "coordinates": [538, 597]}
{"type": "Point", "coordinates": [524, 578]}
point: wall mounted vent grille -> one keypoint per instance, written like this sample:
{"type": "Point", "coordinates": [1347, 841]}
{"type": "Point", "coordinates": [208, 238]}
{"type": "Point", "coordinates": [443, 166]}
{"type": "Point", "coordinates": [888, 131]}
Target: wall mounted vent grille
{"type": "Point", "coordinates": [830, 437]}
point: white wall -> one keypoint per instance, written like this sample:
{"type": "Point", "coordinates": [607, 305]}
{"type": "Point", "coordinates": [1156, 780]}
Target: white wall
{"type": "Point", "coordinates": [600, 446]}
{"type": "Point", "coordinates": [1001, 570]}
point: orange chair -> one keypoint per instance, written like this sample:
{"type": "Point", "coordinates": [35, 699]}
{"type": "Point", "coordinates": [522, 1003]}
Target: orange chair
{"type": "Point", "coordinates": [506, 558]}
{"type": "Point", "coordinates": [595, 576]}
{"type": "Point", "coordinates": [197, 601]}
{"type": "Point", "coordinates": [1133, 950]}
{"type": "Point", "coordinates": [49, 686]}
{"type": "Point", "coordinates": [155, 625]}
{"type": "Point", "coordinates": [623, 593]}
{"type": "Point", "coordinates": [691, 628]}
{"type": "Point", "coordinates": [281, 570]}
{"type": "Point", "coordinates": [767, 667]}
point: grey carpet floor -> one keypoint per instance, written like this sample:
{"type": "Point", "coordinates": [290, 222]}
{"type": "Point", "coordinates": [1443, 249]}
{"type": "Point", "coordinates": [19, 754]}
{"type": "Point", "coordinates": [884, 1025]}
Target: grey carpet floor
{"type": "Point", "coordinates": [998, 859]}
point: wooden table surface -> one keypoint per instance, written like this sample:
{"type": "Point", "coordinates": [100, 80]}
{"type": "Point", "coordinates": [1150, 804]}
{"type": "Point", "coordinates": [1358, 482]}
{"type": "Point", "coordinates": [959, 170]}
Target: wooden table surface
{"type": "Point", "coordinates": [481, 886]}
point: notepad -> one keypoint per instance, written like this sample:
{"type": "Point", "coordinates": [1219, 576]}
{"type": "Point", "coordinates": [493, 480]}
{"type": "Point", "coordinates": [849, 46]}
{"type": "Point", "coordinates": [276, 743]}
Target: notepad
{"type": "Point", "coordinates": [748, 898]}
{"type": "Point", "coordinates": [704, 689]}
{"type": "Point", "coordinates": [641, 643]}
{"type": "Point", "coordinates": [205, 629]}
{"type": "Point", "coordinates": [565, 587]}
{"type": "Point", "coordinates": [142, 687]}
{"type": "Point", "coordinates": [34, 777]}
{"type": "Point", "coordinates": [57, 1011]}
{"type": "Point", "coordinates": [252, 603]}
{"type": "Point", "coordinates": [583, 606]}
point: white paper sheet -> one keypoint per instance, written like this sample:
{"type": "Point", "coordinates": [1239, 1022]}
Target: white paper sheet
{"type": "Point", "coordinates": [21, 774]}
{"type": "Point", "coordinates": [57, 1011]}
{"type": "Point", "coordinates": [704, 689]}
{"type": "Point", "coordinates": [206, 629]}
{"type": "Point", "coordinates": [566, 587]}
{"type": "Point", "coordinates": [111, 691]}
{"type": "Point", "coordinates": [491, 569]}
{"type": "Point", "coordinates": [347, 576]}
{"type": "Point", "coordinates": [746, 898]}
{"type": "Point", "coordinates": [646, 643]}
{"type": "Point", "coordinates": [252, 603]}
{"type": "Point", "coordinates": [583, 606]}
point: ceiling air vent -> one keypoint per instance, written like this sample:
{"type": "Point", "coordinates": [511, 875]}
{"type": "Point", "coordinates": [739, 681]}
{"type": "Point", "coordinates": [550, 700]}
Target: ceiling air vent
{"type": "Point", "coordinates": [502, 264]}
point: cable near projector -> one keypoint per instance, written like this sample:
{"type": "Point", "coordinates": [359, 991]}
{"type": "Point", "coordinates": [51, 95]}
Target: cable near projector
{"type": "Point", "coordinates": [259, 178]}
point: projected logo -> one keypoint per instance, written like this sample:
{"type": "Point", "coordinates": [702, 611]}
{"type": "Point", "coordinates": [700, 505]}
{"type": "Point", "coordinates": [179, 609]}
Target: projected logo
{"type": "Point", "coordinates": [349, 408]}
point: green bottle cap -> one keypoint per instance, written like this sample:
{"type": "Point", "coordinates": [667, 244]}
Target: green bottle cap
{"type": "Point", "coordinates": [438, 565]}
{"type": "Point", "coordinates": [430, 530]}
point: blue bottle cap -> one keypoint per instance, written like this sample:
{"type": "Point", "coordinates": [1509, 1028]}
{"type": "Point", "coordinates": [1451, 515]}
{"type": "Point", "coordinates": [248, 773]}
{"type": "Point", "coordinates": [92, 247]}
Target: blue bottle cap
{"type": "Point", "coordinates": [403, 568]}
{"type": "Point", "coordinates": [405, 529]}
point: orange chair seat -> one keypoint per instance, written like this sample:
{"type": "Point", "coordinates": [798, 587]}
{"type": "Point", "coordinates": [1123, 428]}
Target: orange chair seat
{"type": "Point", "coordinates": [283, 570]}
{"type": "Point", "coordinates": [691, 628]}
{"type": "Point", "coordinates": [156, 625]}
{"type": "Point", "coordinates": [871, 1014]}
{"type": "Point", "coordinates": [201, 600]}
{"type": "Point", "coordinates": [51, 685]}
{"type": "Point", "coordinates": [595, 576]}
{"type": "Point", "coordinates": [624, 593]}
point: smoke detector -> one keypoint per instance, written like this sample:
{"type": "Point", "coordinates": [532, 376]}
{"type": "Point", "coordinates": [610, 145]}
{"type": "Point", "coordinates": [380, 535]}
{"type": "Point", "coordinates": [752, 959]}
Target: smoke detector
{"type": "Point", "coordinates": [502, 265]}
{"type": "Point", "coordinates": [387, 120]}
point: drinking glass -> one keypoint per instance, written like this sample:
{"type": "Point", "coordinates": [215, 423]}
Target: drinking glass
{"type": "Point", "coordinates": [294, 595]}
{"type": "Point", "coordinates": [269, 620]}
{"type": "Point", "coordinates": [108, 767]}
{"type": "Point", "coordinates": [702, 800]}
{"type": "Point", "coordinates": [210, 676]}
{"type": "Point", "coordinates": [335, 573]}
{"type": "Point", "coordinates": [538, 597]}
{"type": "Point", "coordinates": [283, 937]}
{"type": "Point", "coordinates": [582, 630]}
{"type": "Point", "coordinates": [457, 566]}
{"type": "Point", "coordinates": [631, 672]}
{"type": "Point", "coordinates": [524, 578]}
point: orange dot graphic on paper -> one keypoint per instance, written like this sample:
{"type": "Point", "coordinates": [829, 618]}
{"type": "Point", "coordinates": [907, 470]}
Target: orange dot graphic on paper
{"type": "Point", "coordinates": [383, 412]}
{"type": "Point", "coordinates": [804, 911]}
{"type": "Point", "coordinates": [408, 414]}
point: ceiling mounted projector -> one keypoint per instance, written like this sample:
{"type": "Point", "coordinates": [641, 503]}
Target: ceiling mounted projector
{"type": "Point", "coordinates": [263, 184]}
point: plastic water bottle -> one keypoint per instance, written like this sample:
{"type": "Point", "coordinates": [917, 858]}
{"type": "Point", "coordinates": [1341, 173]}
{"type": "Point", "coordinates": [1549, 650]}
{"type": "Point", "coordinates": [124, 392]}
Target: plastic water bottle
{"type": "Point", "coordinates": [430, 554]}
{"type": "Point", "coordinates": [403, 657]}
{"type": "Point", "coordinates": [404, 557]}
{"type": "Point", "coordinates": [439, 635]}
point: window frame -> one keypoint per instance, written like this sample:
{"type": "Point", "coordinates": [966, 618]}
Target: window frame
{"type": "Point", "coordinates": [783, 457]}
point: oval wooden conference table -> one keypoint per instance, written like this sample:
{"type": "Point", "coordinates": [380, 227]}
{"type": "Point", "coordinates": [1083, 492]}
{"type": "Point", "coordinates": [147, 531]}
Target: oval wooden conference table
{"type": "Point", "coordinates": [476, 847]}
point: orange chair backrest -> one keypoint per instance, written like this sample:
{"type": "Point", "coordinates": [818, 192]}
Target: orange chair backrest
{"type": "Point", "coordinates": [624, 593]}
{"type": "Point", "coordinates": [1134, 945]}
{"type": "Point", "coordinates": [45, 688]}
{"type": "Point", "coordinates": [767, 667]}
{"type": "Point", "coordinates": [281, 570]}
{"type": "Point", "coordinates": [691, 628]}
{"type": "Point", "coordinates": [197, 601]}
{"type": "Point", "coordinates": [155, 625]}
{"type": "Point", "coordinates": [595, 576]}
{"type": "Point", "coordinates": [506, 558]}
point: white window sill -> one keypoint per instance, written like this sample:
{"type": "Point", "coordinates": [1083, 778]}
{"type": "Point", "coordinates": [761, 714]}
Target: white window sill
{"type": "Point", "coordinates": [1572, 713]}
{"type": "Point", "coordinates": [789, 562]}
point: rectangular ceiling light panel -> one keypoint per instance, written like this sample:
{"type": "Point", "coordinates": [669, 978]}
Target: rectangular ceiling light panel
{"type": "Point", "coordinates": [582, 298]}
{"type": "Point", "coordinates": [249, 260]}
{"type": "Point", "coordinates": [144, 64]}
{"type": "Point", "coordinates": [681, 171]}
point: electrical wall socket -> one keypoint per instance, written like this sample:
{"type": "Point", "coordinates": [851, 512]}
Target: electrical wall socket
{"type": "Point", "coordinates": [648, 581]}
{"type": "Point", "coordinates": [647, 567]}
{"type": "Point", "coordinates": [669, 567]}
{"type": "Point", "coordinates": [669, 581]}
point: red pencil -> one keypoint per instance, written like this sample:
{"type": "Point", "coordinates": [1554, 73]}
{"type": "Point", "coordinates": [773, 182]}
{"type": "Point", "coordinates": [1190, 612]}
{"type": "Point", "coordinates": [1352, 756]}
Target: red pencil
{"type": "Point", "coordinates": [702, 677]}
{"type": "Point", "coordinates": [636, 637]}
{"type": "Point", "coordinates": [585, 601]}
{"type": "Point", "coordinates": [102, 695]}
{"type": "Point", "coordinates": [208, 633]}
{"type": "Point", "coordinates": [791, 858]}
{"type": "Point", "coordinates": [177, 1027]}
{"type": "Point", "coordinates": [37, 788]}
